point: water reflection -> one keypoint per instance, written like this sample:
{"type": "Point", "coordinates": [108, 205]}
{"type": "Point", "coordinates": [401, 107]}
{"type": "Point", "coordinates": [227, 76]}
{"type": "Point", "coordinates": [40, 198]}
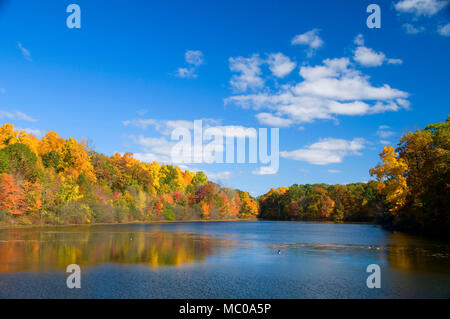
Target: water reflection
{"type": "Point", "coordinates": [186, 243]}
{"type": "Point", "coordinates": [33, 250]}
{"type": "Point", "coordinates": [415, 254]}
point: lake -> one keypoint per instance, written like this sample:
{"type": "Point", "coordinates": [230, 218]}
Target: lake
{"type": "Point", "coordinates": [254, 259]}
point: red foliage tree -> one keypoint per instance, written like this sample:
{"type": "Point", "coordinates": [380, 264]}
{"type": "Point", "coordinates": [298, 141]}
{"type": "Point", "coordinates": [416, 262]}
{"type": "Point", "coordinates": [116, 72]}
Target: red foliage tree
{"type": "Point", "coordinates": [12, 198]}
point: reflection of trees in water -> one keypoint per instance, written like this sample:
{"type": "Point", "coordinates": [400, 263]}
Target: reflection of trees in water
{"type": "Point", "coordinates": [410, 253]}
{"type": "Point", "coordinates": [31, 250]}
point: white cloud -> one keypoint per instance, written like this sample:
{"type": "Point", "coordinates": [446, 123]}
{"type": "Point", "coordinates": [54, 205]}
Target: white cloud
{"type": "Point", "coordinates": [217, 176]}
{"type": "Point", "coordinates": [385, 134]}
{"type": "Point", "coordinates": [264, 170]}
{"type": "Point", "coordinates": [359, 40]}
{"type": "Point", "coordinates": [160, 148]}
{"type": "Point", "coordinates": [272, 120]}
{"type": "Point", "coordinates": [326, 151]}
{"type": "Point", "coordinates": [411, 29]}
{"type": "Point", "coordinates": [368, 57]}
{"type": "Point", "coordinates": [420, 7]}
{"type": "Point", "coordinates": [310, 39]}
{"type": "Point", "coordinates": [444, 30]}
{"type": "Point", "coordinates": [156, 145]}
{"type": "Point", "coordinates": [16, 115]}
{"type": "Point", "coordinates": [166, 127]}
{"type": "Point", "coordinates": [148, 157]}
{"type": "Point", "coordinates": [187, 73]}
{"type": "Point", "coordinates": [194, 57]}
{"type": "Point", "coordinates": [394, 61]}
{"type": "Point", "coordinates": [26, 53]}
{"type": "Point", "coordinates": [280, 65]}
{"type": "Point", "coordinates": [333, 88]}
{"type": "Point", "coordinates": [157, 149]}
{"type": "Point", "coordinates": [250, 73]}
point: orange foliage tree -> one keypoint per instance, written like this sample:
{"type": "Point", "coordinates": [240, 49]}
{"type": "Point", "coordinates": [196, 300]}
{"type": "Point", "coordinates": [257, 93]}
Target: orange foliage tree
{"type": "Point", "coordinates": [12, 198]}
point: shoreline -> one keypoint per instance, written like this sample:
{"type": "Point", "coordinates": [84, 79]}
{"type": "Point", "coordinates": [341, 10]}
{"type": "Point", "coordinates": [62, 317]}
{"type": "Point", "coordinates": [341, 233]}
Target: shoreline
{"type": "Point", "coordinates": [6, 227]}
{"type": "Point", "coordinates": [9, 227]}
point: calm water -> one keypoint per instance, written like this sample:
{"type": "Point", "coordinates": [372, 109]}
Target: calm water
{"type": "Point", "coordinates": [221, 260]}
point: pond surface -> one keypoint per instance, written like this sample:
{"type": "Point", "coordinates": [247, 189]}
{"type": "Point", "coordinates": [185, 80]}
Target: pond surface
{"type": "Point", "coordinates": [260, 259]}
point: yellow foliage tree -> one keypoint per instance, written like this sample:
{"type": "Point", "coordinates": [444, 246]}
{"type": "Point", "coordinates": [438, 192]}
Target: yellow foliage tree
{"type": "Point", "coordinates": [76, 160]}
{"type": "Point", "coordinates": [51, 142]}
{"type": "Point", "coordinates": [391, 178]}
{"type": "Point", "coordinates": [7, 135]}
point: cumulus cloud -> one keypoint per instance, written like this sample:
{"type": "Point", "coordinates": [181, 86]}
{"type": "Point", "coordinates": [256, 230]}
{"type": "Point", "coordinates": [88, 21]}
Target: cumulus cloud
{"type": "Point", "coordinates": [160, 148]}
{"type": "Point", "coordinates": [166, 127]}
{"type": "Point", "coordinates": [16, 115]}
{"type": "Point", "coordinates": [420, 7]}
{"type": "Point", "coordinates": [188, 73]}
{"type": "Point", "coordinates": [193, 57]}
{"type": "Point", "coordinates": [368, 57]}
{"type": "Point", "coordinates": [310, 39]}
{"type": "Point", "coordinates": [359, 40]}
{"type": "Point", "coordinates": [217, 176]}
{"type": "Point", "coordinates": [26, 53]}
{"type": "Point", "coordinates": [280, 65]}
{"type": "Point", "coordinates": [272, 120]}
{"type": "Point", "coordinates": [249, 73]}
{"type": "Point", "coordinates": [326, 151]}
{"type": "Point", "coordinates": [444, 30]}
{"type": "Point", "coordinates": [333, 88]}
{"type": "Point", "coordinates": [411, 29]}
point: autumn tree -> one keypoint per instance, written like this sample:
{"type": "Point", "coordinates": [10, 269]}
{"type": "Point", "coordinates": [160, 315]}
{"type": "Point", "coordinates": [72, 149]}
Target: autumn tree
{"type": "Point", "coordinates": [21, 160]}
{"type": "Point", "coordinates": [391, 175]}
{"type": "Point", "coordinates": [12, 198]}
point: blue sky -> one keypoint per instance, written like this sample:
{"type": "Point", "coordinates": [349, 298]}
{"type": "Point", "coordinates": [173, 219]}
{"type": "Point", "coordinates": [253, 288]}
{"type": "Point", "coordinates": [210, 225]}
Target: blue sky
{"type": "Point", "coordinates": [336, 89]}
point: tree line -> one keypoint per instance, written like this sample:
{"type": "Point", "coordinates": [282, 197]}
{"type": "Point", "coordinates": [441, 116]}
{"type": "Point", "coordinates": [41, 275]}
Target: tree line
{"type": "Point", "coordinates": [53, 180]}
{"type": "Point", "coordinates": [61, 181]}
{"type": "Point", "coordinates": [411, 191]}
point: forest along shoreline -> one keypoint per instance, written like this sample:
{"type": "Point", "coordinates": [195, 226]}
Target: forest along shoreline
{"type": "Point", "coordinates": [56, 181]}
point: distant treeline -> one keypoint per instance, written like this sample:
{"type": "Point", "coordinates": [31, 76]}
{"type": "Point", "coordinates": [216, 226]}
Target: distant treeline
{"type": "Point", "coordinates": [61, 181]}
{"type": "Point", "coordinates": [352, 202]}
{"type": "Point", "coordinates": [411, 193]}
